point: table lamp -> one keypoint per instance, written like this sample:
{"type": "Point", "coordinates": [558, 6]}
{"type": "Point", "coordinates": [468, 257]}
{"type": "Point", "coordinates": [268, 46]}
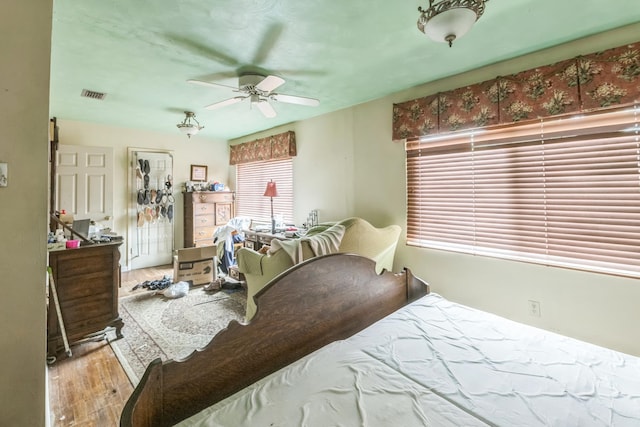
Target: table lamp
{"type": "Point", "coordinates": [271, 192]}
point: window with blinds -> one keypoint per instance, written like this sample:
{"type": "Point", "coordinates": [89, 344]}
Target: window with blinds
{"type": "Point", "coordinates": [563, 192]}
{"type": "Point", "coordinates": [252, 178]}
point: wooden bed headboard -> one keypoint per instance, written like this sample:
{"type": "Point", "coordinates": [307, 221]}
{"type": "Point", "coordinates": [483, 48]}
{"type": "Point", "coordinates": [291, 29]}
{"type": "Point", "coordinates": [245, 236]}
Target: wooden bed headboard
{"type": "Point", "coordinates": [322, 300]}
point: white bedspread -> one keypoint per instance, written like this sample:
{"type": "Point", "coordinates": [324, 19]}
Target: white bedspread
{"type": "Point", "coordinates": [437, 363]}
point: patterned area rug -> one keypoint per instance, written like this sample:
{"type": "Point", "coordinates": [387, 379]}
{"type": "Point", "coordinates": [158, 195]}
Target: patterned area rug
{"type": "Point", "coordinates": [155, 326]}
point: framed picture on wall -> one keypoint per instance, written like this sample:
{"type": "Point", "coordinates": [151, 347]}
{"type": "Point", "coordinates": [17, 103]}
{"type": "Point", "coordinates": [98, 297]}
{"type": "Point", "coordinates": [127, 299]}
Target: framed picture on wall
{"type": "Point", "coordinates": [198, 173]}
{"type": "Point", "coordinates": [4, 175]}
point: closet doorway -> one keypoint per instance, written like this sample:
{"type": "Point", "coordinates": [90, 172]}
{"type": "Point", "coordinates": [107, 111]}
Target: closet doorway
{"type": "Point", "coordinates": [151, 208]}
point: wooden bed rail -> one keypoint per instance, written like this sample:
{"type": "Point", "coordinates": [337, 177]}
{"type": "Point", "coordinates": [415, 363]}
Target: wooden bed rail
{"type": "Point", "coordinates": [309, 306]}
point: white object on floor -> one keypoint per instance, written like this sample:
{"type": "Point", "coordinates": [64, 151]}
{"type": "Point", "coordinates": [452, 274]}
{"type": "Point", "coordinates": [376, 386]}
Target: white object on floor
{"type": "Point", "coordinates": [177, 290]}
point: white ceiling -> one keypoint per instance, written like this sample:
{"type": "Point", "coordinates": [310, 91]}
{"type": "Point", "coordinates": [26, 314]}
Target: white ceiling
{"type": "Point", "coordinates": [142, 52]}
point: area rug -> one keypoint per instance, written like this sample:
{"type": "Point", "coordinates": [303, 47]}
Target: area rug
{"type": "Point", "coordinates": [155, 326]}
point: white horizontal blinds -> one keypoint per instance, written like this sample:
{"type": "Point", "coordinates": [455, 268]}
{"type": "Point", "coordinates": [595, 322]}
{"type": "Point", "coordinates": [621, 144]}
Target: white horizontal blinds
{"type": "Point", "coordinates": [593, 201]}
{"type": "Point", "coordinates": [440, 195]}
{"type": "Point", "coordinates": [561, 192]}
{"type": "Point", "coordinates": [252, 181]}
{"type": "Point", "coordinates": [509, 196]}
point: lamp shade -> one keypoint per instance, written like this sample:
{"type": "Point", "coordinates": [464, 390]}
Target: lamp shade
{"type": "Point", "coordinates": [271, 190]}
{"type": "Point", "coordinates": [188, 129]}
{"type": "Point", "coordinates": [189, 126]}
{"type": "Point", "coordinates": [447, 20]}
{"type": "Point", "coordinates": [450, 23]}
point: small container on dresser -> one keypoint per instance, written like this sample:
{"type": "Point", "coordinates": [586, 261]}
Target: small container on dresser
{"type": "Point", "coordinates": [204, 212]}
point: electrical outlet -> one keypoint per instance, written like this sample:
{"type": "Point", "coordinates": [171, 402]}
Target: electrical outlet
{"type": "Point", "coordinates": [534, 308]}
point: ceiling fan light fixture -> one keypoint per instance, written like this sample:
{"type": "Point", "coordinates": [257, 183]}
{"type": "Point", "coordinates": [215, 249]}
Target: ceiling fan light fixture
{"type": "Point", "coordinates": [447, 20]}
{"type": "Point", "coordinates": [255, 98]}
{"type": "Point", "coordinates": [189, 126]}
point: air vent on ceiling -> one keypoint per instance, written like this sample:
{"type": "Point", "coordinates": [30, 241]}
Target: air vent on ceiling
{"type": "Point", "coordinates": [93, 94]}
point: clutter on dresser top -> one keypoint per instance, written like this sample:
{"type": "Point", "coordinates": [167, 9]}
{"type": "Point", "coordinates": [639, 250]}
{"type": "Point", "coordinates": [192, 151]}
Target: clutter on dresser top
{"type": "Point", "coordinates": [191, 186]}
{"type": "Point", "coordinates": [70, 233]}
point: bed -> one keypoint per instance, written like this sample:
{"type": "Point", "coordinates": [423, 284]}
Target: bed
{"type": "Point", "coordinates": [333, 343]}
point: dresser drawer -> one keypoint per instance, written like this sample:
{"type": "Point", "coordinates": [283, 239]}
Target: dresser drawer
{"type": "Point", "coordinates": [204, 233]}
{"type": "Point", "coordinates": [203, 221]}
{"type": "Point", "coordinates": [204, 208]}
{"type": "Point", "coordinates": [212, 197]}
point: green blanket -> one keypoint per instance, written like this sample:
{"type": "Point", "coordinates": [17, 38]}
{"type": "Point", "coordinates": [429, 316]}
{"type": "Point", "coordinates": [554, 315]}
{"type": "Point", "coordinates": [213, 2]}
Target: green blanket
{"type": "Point", "coordinates": [324, 243]}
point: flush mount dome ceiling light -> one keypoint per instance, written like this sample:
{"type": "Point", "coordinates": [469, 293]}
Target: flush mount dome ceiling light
{"type": "Point", "coordinates": [448, 20]}
{"type": "Point", "coordinates": [189, 125]}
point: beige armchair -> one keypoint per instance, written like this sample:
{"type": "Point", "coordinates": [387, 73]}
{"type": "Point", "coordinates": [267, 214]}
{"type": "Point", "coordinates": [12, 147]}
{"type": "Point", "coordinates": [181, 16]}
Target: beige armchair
{"type": "Point", "coordinates": [360, 237]}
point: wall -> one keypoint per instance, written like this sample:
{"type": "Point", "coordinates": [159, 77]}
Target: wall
{"type": "Point", "coordinates": [593, 307]}
{"type": "Point", "coordinates": [25, 31]}
{"type": "Point", "coordinates": [323, 170]}
{"type": "Point", "coordinates": [348, 165]}
{"type": "Point", "coordinates": [197, 150]}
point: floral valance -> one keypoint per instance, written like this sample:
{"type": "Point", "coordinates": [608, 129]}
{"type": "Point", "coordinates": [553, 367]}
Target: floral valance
{"type": "Point", "coordinates": [280, 146]}
{"type": "Point", "coordinates": [581, 84]}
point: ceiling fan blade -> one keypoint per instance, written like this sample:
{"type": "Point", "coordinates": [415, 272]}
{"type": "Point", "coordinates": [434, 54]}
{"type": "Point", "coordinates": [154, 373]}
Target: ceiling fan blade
{"type": "Point", "coordinates": [292, 99]}
{"type": "Point", "coordinates": [269, 83]}
{"type": "Point", "coordinates": [268, 41]}
{"type": "Point", "coordinates": [224, 103]}
{"type": "Point", "coordinates": [210, 84]}
{"type": "Point", "coordinates": [265, 108]}
{"type": "Point", "coordinates": [200, 49]}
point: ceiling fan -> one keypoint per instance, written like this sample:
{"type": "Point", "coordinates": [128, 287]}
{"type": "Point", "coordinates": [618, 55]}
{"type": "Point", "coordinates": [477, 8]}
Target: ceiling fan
{"type": "Point", "coordinates": [258, 89]}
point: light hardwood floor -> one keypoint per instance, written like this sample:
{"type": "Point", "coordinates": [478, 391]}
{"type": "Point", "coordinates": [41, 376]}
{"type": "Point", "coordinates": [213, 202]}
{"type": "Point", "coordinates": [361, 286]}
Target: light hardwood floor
{"type": "Point", "coordinates": [90, 388]}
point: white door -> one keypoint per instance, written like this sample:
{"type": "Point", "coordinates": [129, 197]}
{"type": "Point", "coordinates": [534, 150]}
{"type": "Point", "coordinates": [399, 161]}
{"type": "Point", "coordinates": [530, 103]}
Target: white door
{"type": "Point", "coordinates": [151, 216]}
{"type": "Point", "coordinates": [84, 182]}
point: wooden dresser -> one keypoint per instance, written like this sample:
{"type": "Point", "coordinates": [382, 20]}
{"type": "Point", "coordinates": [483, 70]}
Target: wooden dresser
{"type": "Point", "coordinates": [204, 212]}
{"type": "Point", "coordinates": [87, 281]}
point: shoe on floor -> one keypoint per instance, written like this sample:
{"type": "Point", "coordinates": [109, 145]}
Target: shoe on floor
{"type": "Point", "coordinates": [213, 286]}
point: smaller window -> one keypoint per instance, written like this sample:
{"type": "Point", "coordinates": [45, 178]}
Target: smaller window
{"type": "Point", "coordinates": [252, 181]}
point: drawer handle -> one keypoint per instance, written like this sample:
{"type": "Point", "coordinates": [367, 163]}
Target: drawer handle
{"type": "Point", "coordinates": [203, 208]}
{"type": "Point", "coordinates": [201, 233]}
{"type": "Point", "coordinates": [204, 220]}
{"type": "Point", "coordinates": [203, 197]}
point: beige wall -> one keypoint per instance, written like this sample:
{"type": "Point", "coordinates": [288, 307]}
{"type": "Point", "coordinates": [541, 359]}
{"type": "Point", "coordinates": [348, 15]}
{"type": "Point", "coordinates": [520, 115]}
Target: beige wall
{"type": "Point", "coordinates": [25, 31]}
{"type": "Point", "coordinates": [197, 150]}
{"type": "Point", "coordinates": [347, 165]}
{"type": "Point", "coordinates": [594, 307]}
{"type": "Point", "coordinates": [324, 168]}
